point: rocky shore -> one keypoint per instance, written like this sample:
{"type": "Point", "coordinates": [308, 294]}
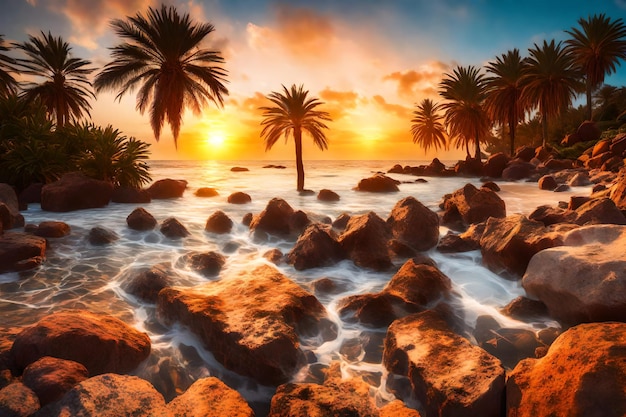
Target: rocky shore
{"type": "Point", "coordinates": [569, 259]}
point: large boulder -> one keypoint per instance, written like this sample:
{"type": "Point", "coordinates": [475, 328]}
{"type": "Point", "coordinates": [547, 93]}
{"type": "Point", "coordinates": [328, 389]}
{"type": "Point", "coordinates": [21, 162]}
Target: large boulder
{"type": "Point", "coordinates": [588, 131]}
{"type": "Point", "coordinates": [495, 164]}
{"type": "Point", "coordinates": [583, 374]}
{"type": "Point", "coordinates": [141, 219]}
{"type": "Point", "coordinates": [75, 191]}
{"type": "Point", "coordinates": [9, 198]}
{"type": "Point", "coordinates": [365, 241]}
{"type": "Point", "coordinates": [130, 195]}
{"type": "Point", "coordinates": [209, 397]}
{"type": "Point", "coordinates": [316, 247]}
{"type": "Point", "coordinates": [599, 211]}
{"type": "Point", "coordinates": [378, 183]}
{"type": "Point", "coordinates": [20, 251]}
{"type": "Point", "coordinates": [517, 170]}
{"type": "Point", "coordinates": [448, 375]}
{"type": "Point", "coordinates": [414, 224]}
{"type": "Point", "coordinates": [474, 205]}
{"type": "Point", "coordinates": [167, 188]}
{"type": "Point", "coordinates": [100, 342]}
{"type": "Point", "coordinates": [275, 219]}
{"type": "Point", "coordinates": [50, 378]}
{"type": "Point", "coordinates": [250, 323]}
{"type": "Point", "coordinates": [219, 223]}
{"type": "Point", "coordinates": [584, 279]}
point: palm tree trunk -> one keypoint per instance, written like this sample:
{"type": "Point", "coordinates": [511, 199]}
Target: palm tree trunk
{"type": "Point", "coordinates": [512, 136]}
{"type": "Point", "coordinates": [589, 109]}
{"type": "Point", "coordinates": [544, 129]}
{"type": "Point", "coordinates": [477, 141]}
{"type": "Point", "coordinates": [297, 138]}
{"type": "Point", "coordinates": [467, 151]}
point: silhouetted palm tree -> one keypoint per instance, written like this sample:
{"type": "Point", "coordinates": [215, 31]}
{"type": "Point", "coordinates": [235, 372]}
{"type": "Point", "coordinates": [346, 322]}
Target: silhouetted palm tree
{"type": "Point", "coordinates": [550, 81]}
{"type": "Point", "coordinates": [8, 85]}
{"type": "Point", "coordinates": [292, 114]}
{"type": "Point", "coordinates": [466, 119]}
{"type": "Point", "coordinates": [162, 55]}
{"type": "Point", "coordinates": [597, 48]}
{"type": "Point", "coordinates": [504, 103]}
{"type": "Point", "coordinates": [427, 126]}
{"type": "Point", "coordinates": [65, 89]}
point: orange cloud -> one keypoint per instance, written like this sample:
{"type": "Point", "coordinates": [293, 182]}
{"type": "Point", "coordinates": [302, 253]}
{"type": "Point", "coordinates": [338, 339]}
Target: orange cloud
{"type": "Point", "coordinates": [337, 103]}
{"type": "Point", "coordinates": [397, 109]}
{"type": "Point", "coordinates": [412, 82]}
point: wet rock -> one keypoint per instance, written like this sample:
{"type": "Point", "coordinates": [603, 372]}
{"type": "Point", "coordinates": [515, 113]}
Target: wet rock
{"type": "Point", "coordinates": [21, 251]}
{"type": "Point", "coordinates": [547, 182]}
{"type": "Point", "coordinates": [435, 168]}
{"type": "Point", "coordinates": [618, 191]}
{"type": "Point", "coordinates": [100, 342]}
{"type": "Point", "coordinates": [239, 169]}
{"type": "Point", "coordinates": [453, 243]}
{"type": "Point", "coordinates": [517, 170]}
{"type": "Point", "coordinates": [561, 188]}
{"type": "Point", "coordinates": [239, 198]}
{"type": "Point", "coordinates": [495, 164]}
{"type": "Point", "coordinates": [549, 215]}
{"type": "Point", "coordinates": [378, 183]}
{"type": "Point", "coordinates": [109, 395]}
{"type": "Point", "coordinates": [173, 229]}
{"type": "Point", "coordinates": [275, 256]}
{"type": "Point", "coordinates": [130, 195]}
{"type": "Point", "coordinates": [208, 264]}
{"type": "Point", "coordinates": [102, 236]}
{"type": "Point", "coordinates": [582, 374]}
{"type": "Point", "coordinates": [414, 224]}
{"type": "Point", "coordinates": [9, 199]}
{"type": "Point", "coordinates": [582, 280]}
{"type": "Point", "coordinates": [209, 397]}
{"type": "Point", "coordinates": [278, 218]}
{"type": "Point", "coordinates": [326, 285]}
{"type": "Point", "coordinates": [579, 179]}
{"type": "Point", "coordinates": [52, 229]}
{"type": "Point", "coordinates": [491, 185]}
{"type": "Point", "coordinates": [140, 219]}
{"type": "Point", "coordinates": [599, 211]}
{"type": "Point", "coordinates": [167, 188]}
{"type": "Point", "coordinates": [328, 195]}
{"type": "Point", "coordinates": [17, 400]}
{"type": "Point", "coordinates": [474, 205]}
{"type": "Point", "coordinates": [251, 322]}
{"type": "Point", "coordinates": [524, 308]}
{"type": "Point", "coordinates": [577, 201]}
{"type": "Point", "coordinates": [50, 378]}
{"type": "Point", "coordinates": [219, 223]}
{"type": "Point", "coordinates": [75, 191]}
{"type": "Point", "coordinates": [247, 219]}
{"type": "Point", "coordinates": [446, 372]}
{"type": "Point", "coordinates": [206, 192]}
{"type": "Point", "coordinates": [146, 285]}
{"type": "Point", "coordinates": [365, 241]}
{"type": "Point", "coordinates": [316, 247]}
{"type": "Point", "coordinates": [341, 221]}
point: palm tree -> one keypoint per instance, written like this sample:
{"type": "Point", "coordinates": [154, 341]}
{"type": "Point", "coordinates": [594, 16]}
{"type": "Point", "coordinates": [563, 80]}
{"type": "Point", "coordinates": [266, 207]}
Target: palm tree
{"type": "Point", "coordinates": [8, 85]}
{"type": "Point", "coordinates": [597, 47]}
{"type": "Point", "coordinates": [162, 54]}
{"type": "Point", "coordinates": [466, 119]}
{"type": "Point", "coordinates": [427, 127]}
{"type": "Point", "coordinates": [550, 81]}
{"type": "Point", "coordinates": [292, 114]}
{"type": "Point", "coordinates": [65, 89]}
{"type": "Point", "coordinates": [504, 103]}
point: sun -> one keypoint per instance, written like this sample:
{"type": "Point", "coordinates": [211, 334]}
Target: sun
{"type": "Point", "coordinates": [215, 139]}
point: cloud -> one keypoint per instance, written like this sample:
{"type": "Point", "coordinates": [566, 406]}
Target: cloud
{"type": "Point", "coordinates": [411, 82]}
{"type": "Point", "coordinates": [397, 109]}
{"type": "Point", "coordinates": [338, 103]}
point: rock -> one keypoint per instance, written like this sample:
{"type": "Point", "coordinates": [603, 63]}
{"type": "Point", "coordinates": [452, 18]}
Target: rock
{"type": "Point", "coordinates": [583, 374]}
{"type": "Point", "coordinates": [275, 219]}
{"type": "Point", "coordinates": [436, 167]}
{"type": "Point", "coordinates": [75, 191]}
{"type": "Point", "coordinates": [397, 408]}
{"type": "Point", "coordinates": [491, 185]}
{"type": "Point", "coordinates": [100, 342]}
{"type": "Point", "coordinates": [275, 256]}
{"type": "Point", "coordinates": [469, 167]}
{"type": "Point", "coordinates": [396, 169]}
{"type": "Point", "coordinates": [517, 170]}
{"type": "Point", "coordinates": [31, 194]}
{"type": "Point", "coordinates": [414, 224]}
{"type": "Point", "coordinates": [102, 236]}
{"type": "Point", "coordinates": [10, 200]}
{"type": "Point", "coordinates": [474, 205]}
{"type": "Point", "coordinates": [209, 397]}
{"type": "Point", "coordinates": [247, 219]}
{"type": "Point", "coordinates": [571, 139]}
{"type": "Point", "coordinates": [328, 195]}
{"type": "Point", "coordinates": [206, 192]}
{"type": "Point", "coordinates": [618, 145]}
{"type": "Point", "coordinates": [239, 169]}
{"type": "Point", "coordinates": [239, 198]}
{"type": "Point", "coordinates": [618, 191]}
{"type": "Point", "coordinates": [511, 345]}
{"type": "Point", "coordinates": [558, 164]}
{"type": "Point", "coordinates": [167, 188]}
{"type": "Point", "coordinates": [50, 378]}
{"type": "Point", "coordinates": [525, 309]}
{"type": "Point", "coordinates": [20, 251]}
{"type": "Point", "coordinates": [109, 395]}
{"type": "Point", "coordinates": [365, 241]}
{"type": "Point", "coordinates": [17, 400]}
{"type": "Point", "coordinates": [453, 243]}
{"type": "Point", "coordinates": [495, 164]}
{"type": "Point", "coordinates": [448, 375]}
{"type": "Point", "coordinates": [219, 223]}
{"type": "Point", "coordinates": [316, 247]}
{"type": "Point", "coordinates": [130, 195]}
{"type": "Point", "coordinates": [250, 323]}
{"type": "Point", "coordinates": [508, 244]}
{"type": "Point", "coordinates": [562, 188]}
{"type": "Point", "coordinates": [599, 211]}
{"type": "Point", "coordinates": [547, 182]}
{"type": "Point", "coordinates": [146, 284]}
{"type": "Point", "coordinates": [588, 131]}
{"type": "Point", "coordinates": [378, 183]}
{"type": "Point", "coordinates": [579, 179]}
{"type": "Point", "coordinates": [584, 279]}
{"type": "Point", "coordinates": [341, 221]}
{"type": "Point", "coordinates": [140, 219]}
{"type": "Point", "coordinates": [524, 153]}
{"type": "Point", "coordinates": [577, 201]}
{"type": "Point", "coordinates": [601, 147]}
{"type": "Point", "coordinates": [173, 229]}
{"type": "Point", "coordinates": [208, 264]}
{"type": "Point", "coordinates": [52, 229]}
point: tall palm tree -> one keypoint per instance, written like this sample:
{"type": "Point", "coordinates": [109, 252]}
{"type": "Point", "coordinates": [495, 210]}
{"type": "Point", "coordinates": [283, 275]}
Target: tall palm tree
{"type": "Point", "coordinates": [504, 103]}
{"type": "Point", "coordinates": [161, 53]}
{"type": "Point", "coordinates": [466, 119]}
{"type": "Point", "coordinates": [550, 81]}
{"type": "Point", "coordinates": [427, 126]}
{"type": "Point", "coordinates": [292, 114]}
{"type": "Point", "coordinates": [597, 47]}
{"type": "Point", "coordinates": [8, 85]}
{"type": "Point", "coordinates": [65, 88]}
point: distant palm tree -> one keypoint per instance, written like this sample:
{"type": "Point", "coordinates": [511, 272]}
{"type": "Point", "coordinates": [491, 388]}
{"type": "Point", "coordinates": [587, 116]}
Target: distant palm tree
{"type": "Point", "coordinates": [162, 54]}
{"type": "Point", "coordinates": [8, 85]}
{"type": "Point", "coordinates": [466, 119]}
{"type": "Point", "coordinates": [292, 114]}
{"type": "Point", "coordinates": [550, 81]}
{"type": "Point", "coordinates": [597, 48]}
{"type": "Point", "coordinates": [65, 89]}
{"type": "Point", "coordinates": [427, 126]}
{"type": "Point", "coordinates": [504, 103]}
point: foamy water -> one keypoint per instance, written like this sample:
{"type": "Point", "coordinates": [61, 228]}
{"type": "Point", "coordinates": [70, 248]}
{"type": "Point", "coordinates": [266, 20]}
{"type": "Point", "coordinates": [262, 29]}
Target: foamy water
{"type": "Point", "coordinates": [78, 275]}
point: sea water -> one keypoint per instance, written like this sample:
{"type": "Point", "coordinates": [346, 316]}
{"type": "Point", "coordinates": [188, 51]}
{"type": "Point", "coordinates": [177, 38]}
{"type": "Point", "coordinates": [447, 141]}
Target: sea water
{"type": "Point", "coordinates": [79, 275]}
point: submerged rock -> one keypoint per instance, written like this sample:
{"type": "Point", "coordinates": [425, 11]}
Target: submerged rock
{"type": "Point", "coordinates": [219, 223]}
{"type": "Point", "coordinates": [52, 229]}
{"type": "Point", "coordinates": [173, 229]}
{"type": "Point", "coordinates": [21, 251]}
{"type": "Point", "coordinates": [140, 219]}
{"type": "Point", "coordinates": [208, 264]}
{"type": "Point", "coordinates": [147, 284]}
{"type": "Point", "coordinates": [239, 198]}
{"type": "Point", "coordinates": [206, 192]}
{"type": "Point", "coordinates": [328, 195]}
{"type": "Point", "coordinates": [102, 236]}
{"type": "Point", "coordinates": [378, 183]}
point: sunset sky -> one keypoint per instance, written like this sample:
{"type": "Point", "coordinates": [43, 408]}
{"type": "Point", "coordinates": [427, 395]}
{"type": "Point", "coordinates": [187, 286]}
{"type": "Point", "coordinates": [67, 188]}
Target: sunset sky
{"type": "Point", "coordinates": [369, 61]}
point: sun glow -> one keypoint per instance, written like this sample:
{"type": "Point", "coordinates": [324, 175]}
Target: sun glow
{"type": "Point", "coordinates": [215, 139]}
